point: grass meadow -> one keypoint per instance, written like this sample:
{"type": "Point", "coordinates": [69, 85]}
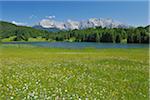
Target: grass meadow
{"type": "Point", "coordinates": [34, 73]}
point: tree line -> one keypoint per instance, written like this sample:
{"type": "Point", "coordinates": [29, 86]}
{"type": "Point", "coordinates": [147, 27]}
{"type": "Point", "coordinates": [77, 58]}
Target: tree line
{"type": "Point", "coordinates": [97, 34]}
{"type": "Point", "coordinates": [107, 35]}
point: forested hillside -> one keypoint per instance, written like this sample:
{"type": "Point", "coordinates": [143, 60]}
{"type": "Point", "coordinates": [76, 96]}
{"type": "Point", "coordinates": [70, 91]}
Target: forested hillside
{"type": "Point", "coordinates": [19, 33]}
{"type": "Point", "coordinates": [11, 32]}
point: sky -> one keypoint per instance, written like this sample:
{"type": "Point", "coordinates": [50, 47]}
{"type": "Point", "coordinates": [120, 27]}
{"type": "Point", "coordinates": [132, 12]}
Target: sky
{"type": "Point", "coordinates": [32, 12]}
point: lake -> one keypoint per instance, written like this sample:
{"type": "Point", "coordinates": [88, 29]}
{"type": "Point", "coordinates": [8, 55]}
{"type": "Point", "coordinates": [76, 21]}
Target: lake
{"type": "Point", "coordinates": [81, 45]}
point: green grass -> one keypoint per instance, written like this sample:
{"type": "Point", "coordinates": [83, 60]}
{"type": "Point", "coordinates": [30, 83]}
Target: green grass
{"type": "Point", "coordinates": [8, 39]}
{"type": "Point", "coordinates": [36, 39]}
{"type": "Point", "coordinates": [28, 72]}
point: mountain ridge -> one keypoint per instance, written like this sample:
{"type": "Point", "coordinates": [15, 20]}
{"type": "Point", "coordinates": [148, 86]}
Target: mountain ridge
{"type": "Point", "coordinates": [12, 32]}
{"type": "Point", "coordinates": [84, 24]}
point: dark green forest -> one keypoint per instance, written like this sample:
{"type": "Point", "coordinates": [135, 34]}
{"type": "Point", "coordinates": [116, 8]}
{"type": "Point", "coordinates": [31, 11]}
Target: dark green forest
{"type": "Point", "coordinates": [98, 34]}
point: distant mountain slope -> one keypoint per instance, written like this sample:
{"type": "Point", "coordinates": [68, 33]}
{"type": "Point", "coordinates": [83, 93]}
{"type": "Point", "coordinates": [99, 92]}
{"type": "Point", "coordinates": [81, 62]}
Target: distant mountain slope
{"type": "Point", "coordinates": [46, 29]}
{"type": "Point", "coordinates": [8, 29]}
{"type": "Point", "coordinates": [6, 25]}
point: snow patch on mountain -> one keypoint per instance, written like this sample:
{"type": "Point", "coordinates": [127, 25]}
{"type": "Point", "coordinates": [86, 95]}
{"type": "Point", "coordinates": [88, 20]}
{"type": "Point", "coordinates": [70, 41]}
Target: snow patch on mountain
{"type": "Point", "coordinates": [90, 23]}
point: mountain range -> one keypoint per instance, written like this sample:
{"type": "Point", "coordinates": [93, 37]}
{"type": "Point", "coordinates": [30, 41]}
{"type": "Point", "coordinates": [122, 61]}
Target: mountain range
{"type": "Point", "coordinates": [11, 32]}
{"type": "Point", "coordinates": [52, 25]}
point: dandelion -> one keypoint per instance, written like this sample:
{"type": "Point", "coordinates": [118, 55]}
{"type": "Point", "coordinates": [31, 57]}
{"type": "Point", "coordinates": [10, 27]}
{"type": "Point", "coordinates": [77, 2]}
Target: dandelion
{"type": "Point", "coordinates": [11, 98]}
{"type": "Point", "coordinates": [37, 82]}
{"type": "Point", "coordinates": [65, 90]}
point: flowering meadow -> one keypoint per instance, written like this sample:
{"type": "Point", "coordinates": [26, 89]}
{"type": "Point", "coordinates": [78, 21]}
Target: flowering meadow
{"type": "Point", "coordinates": [35, 73]}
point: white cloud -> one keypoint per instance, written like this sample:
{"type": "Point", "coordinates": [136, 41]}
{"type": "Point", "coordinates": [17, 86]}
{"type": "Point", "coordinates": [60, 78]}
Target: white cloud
{"type": "Point", "coordinates": [18, 23]}
{"type": "Point", "coordinates": [50, 17]}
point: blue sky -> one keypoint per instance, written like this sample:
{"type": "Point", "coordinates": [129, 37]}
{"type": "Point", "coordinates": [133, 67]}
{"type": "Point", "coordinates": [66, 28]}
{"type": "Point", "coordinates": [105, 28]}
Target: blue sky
{"type": "Point", "coordinates": [31, 12]}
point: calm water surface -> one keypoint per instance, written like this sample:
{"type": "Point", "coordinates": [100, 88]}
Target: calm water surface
{"type": "Point", "coordinates": [81, 45]}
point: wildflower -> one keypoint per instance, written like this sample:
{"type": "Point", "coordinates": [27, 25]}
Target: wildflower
{"type": "Point", "coordinates": [11, 98]}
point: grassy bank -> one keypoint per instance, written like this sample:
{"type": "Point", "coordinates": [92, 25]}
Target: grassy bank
{"type": "Point", "coordinates": [29, 72]}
